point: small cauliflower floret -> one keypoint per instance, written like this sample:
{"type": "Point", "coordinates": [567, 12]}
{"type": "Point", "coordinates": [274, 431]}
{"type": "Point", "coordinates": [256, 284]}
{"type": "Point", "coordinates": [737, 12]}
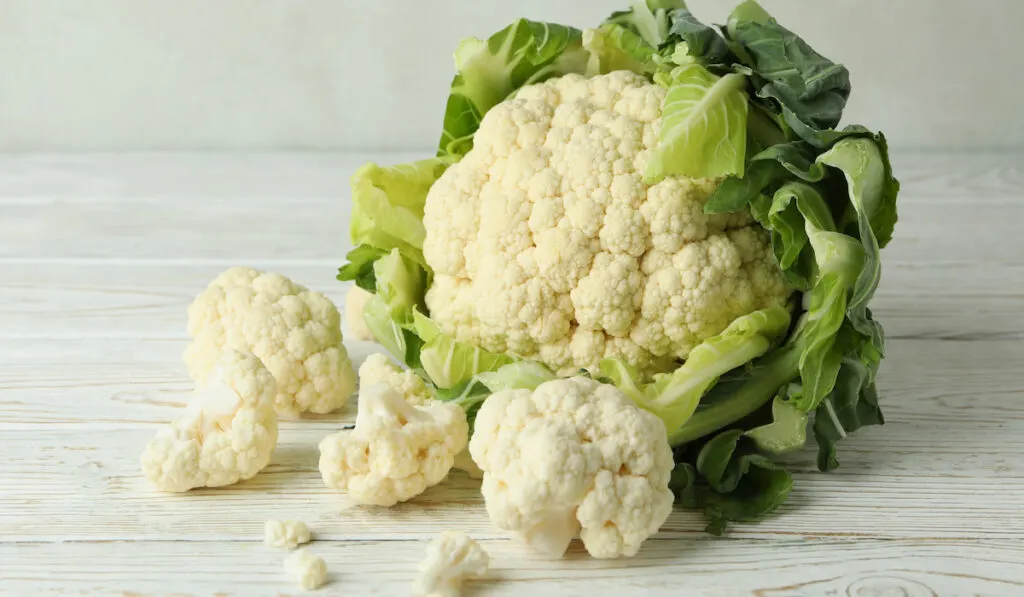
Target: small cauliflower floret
{"type": "Point", "coordinates": [295, 331]}
{"type": "Point", "coordinates": [573, 456]}
{"type": "Point", "coordinates": [227, 433]}
{"type": "Point", "coordinates": [309, 570]}
{"type": "Point", "coordinates": [285, 534]}
{"type": "Point", "coordinates": [396, 450]}
{"type": "Point", "coordinates": [452, 557]}
{"type": "Point", "coordinates": [379, 369]}
{"type": "Point", "coordinates": [546, 241]}
{"type": "Point", "coordinates": [355, 304]}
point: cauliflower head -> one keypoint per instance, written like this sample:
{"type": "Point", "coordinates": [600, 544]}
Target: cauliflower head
{"type": "Point", "coordinates": [379, 369]}
{"type": "Point", "coordinates": [396, 450]}
{"type": "Point", "coordinates": [452, 557]}
{"type": "Point", "coordinates": [546, 241]}
{"type": "Point", "coordinates": [573, 456]}
{"type": "Point", "coordinates": [227, 433]}
{"type": "Point", "coordinates": [296, 332]}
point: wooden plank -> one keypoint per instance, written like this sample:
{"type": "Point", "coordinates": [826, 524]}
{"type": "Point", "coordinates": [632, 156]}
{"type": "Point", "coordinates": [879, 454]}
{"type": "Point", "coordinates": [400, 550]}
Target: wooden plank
{"type": "Point", "coordinates": [168, 232]}
{"type": "Point", "coordinates": [253, 207]}
{"type": "Point", "coordinates": [699, 567]}
{"type": "Point", "coordinates": [129, 383]}
{"type": "Point", "coordinates": [950, 300]}
{"type": "Point", "coordinates": [140, 177]}
{"type": "Point", "coordinates": [945, 465]}
{"type": "Point", "coordinates": [976, 177]}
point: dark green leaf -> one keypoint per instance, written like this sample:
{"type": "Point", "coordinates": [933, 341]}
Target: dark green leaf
{"type": "Point", "coordinates": [852, 404]}
{"type": "Point", "coordinates": [811, 89]}
{"type": "Point", "coordinates": [360, 267]}
{"type": "Point", "coordinates": [489, 71]}
{"type": "Point", "coordinates": [703, 42]}
{"type": "Point", "coordinates": [731, 481]}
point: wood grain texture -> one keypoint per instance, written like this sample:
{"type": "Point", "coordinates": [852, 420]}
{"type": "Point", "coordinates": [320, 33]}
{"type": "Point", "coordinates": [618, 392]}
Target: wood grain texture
{"type": "Point", "coordinates": [100, 255]}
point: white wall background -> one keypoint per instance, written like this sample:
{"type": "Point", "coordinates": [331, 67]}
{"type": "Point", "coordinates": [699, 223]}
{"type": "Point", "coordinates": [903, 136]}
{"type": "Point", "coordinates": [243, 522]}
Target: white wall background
{"type": "Point", "coordinates": [338, 74]}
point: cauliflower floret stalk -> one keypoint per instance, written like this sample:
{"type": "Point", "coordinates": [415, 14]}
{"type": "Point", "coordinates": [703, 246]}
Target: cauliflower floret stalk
{"type": "Point", "coordinates": [660, 205]}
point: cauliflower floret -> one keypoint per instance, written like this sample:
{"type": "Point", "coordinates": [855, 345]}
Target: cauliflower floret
{"type": "Point", "coordinates": [309, 570]}
{"type": "Point", "coordinates": [296, 332]}
{"type": "Point", "coordinates": [452, 557]}
{"type": "Point", "coordinates": [379, 369]}
{"type": "Point", "coordinates": [355, 304]}
{"type": "Point", "coordinates": [546, 241]}
{"type": "Point", "coordinates": [285, 534]}
{"type": "Point", "coordinates": [573, 456]}
{"type": "Point", "coordinates": [227, 433]}
{"type": "Point", "coordinates": [396, 450]}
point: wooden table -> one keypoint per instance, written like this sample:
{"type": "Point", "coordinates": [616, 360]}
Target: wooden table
{"type": "Point", "coordinates": [100, 255]}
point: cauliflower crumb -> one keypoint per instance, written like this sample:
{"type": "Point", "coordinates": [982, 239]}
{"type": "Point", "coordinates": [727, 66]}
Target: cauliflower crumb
{"type": "Point", "coordinates": [546, 241]}
{"type": "Point", "coordinates": [285, 534]}
{"type": "Point", "coordinates": [295, 332]}
{"type": "Point", "coordinates": [227, 433]}
{"type": "Point", "coordinates": [451, 558]}
{"type": "Point", "coordinates": [309, 570]}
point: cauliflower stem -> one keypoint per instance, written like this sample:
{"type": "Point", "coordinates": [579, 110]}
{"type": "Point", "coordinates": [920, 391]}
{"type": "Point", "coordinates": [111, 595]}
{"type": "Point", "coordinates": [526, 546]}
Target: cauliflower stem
{"type": "Point", "coordinates": [654, 204]}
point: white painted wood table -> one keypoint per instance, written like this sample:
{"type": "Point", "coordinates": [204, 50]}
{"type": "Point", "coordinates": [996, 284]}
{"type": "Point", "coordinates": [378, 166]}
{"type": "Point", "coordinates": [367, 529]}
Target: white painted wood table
{"type": "Point", "coordinates": [99, 257]}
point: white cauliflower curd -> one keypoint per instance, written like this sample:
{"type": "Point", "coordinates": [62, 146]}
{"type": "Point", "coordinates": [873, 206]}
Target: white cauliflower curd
{"type": "Point", "coordinates": [573, 456]}
{"type": "Point", "coordinates": [379, 369]}
{"type": "Point", "coordinates": [355, 304]}
{"type": "Point", "coordinates": [296, 332]}
{"type": "Point", "coordinates": [227, 433]}
{"type": "Point", "coordinates": [307, 569]}
{"type": "Point", "coordinates": [396, 450]}
{"type": "Point", "coordinates": [285, 534]}
{"type": "Point", "coordinates": [546, 241]}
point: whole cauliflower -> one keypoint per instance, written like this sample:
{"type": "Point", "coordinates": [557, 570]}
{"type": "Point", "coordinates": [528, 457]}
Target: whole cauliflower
{"type": "Point", "coordinates": [227, 433]}
{"type": "Point", "coordinates": [396, 450]}
{"type": "Point", "coordinates": [296, 332]}
{"type": "Point", "coordinates": [379, 369]}
{"type": "Point", "coordinates": [573, 456]}
{"type": "Point", "coordinates": [546, 242]}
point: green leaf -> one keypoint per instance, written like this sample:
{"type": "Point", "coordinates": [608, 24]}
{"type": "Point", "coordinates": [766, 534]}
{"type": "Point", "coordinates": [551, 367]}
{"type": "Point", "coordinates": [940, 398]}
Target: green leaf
{"type": "Point", "coordinates": [704, 121]}
{"type": "Point", "coordinates": [387, 205]}
{"type": "Point", "coordinates": [449, 362]}
{"type": "Point", "coordinates": [730, 481]}
{"type": "Point", "coordinates": [516, 376]}
{"type": "Point", "coordinates": [612, 47]}
{"type": "Point", "coordinates": [741, 393]}
{"type": "Point", "coordinates": [786, 432]}
{"type": "Point", "coordinates": [811, 89]}
{"type": "Point", "coordinates": [674, 396]}
{"type": "Point", "coordinates": [490, 71]}
{"type": "Point", "coordinates": [401, 284]}
{"type": "Point", "coordinates": [852, 404]}
{"type": "Point", "coordinates": [648, 20]}
{"type": "Point", "coordinates": [702, 42]}
{"type": "Point", "coordinates": [360, 267]}
{"type": "Point", "coordinates": [403, 344]}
